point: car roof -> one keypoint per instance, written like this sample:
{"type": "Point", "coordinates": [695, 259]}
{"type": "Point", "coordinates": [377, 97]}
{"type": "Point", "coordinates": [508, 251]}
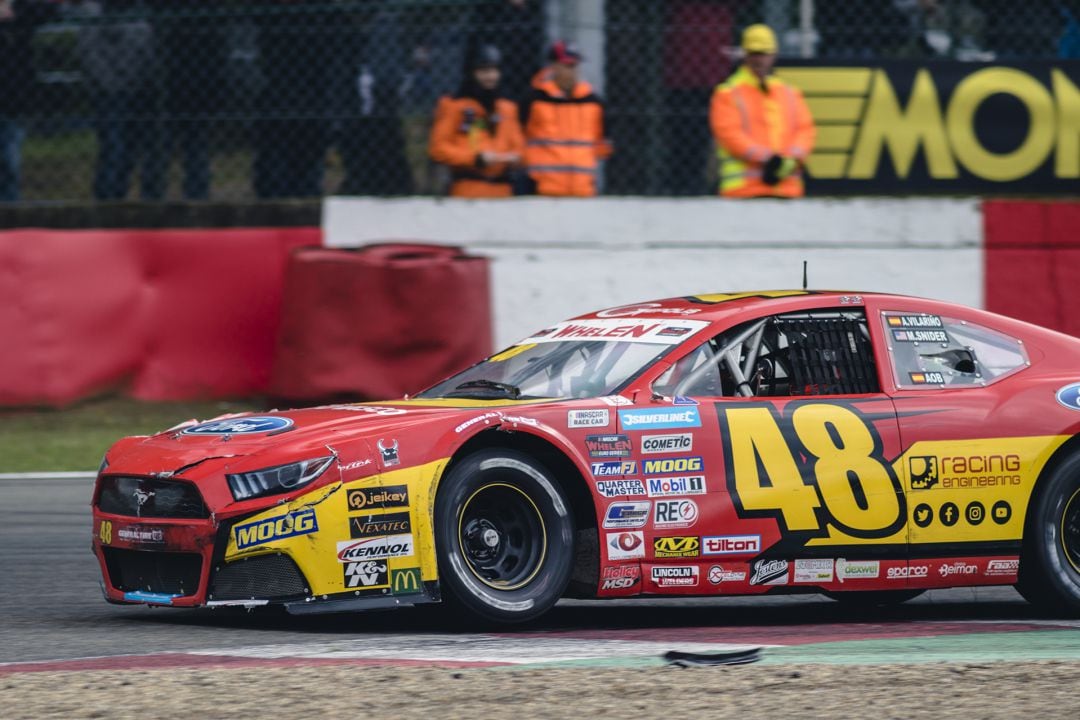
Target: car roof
{"type": "Point", "coordinates": [716, 306]}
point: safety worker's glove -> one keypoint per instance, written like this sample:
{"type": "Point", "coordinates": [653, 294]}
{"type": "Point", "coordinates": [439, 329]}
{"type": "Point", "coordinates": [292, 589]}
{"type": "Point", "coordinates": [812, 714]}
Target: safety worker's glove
{"type": "Point", "coordinates": [777, 168]}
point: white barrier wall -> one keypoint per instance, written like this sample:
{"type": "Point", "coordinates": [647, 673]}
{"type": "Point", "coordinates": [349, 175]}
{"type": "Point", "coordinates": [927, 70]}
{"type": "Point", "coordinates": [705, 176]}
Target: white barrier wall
{"type": "Point", "coordinates": [554, 258]}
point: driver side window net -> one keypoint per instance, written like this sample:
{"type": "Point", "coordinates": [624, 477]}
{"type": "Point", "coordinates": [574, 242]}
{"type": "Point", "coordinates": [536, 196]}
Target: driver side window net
{"type": "Point", "coordinates": [814, 353]}
{"type": "Point", "coordinates": [937, 351]}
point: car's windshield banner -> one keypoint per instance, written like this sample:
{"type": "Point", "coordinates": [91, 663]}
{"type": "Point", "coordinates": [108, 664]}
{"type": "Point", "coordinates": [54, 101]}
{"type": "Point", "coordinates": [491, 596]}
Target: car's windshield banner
{"type": "Point", "coordinates": [642, 330]}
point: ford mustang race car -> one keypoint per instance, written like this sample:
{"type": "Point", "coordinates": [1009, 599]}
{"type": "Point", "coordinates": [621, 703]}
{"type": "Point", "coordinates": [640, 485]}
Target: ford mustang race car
{"type": "Point", "coordinates": [866, 446]}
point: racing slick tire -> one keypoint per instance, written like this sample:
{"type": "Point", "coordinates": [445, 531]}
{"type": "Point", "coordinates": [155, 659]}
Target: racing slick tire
{"type": "Point", "coordinates": [871, 598]}
{"type": "Point", "coordinates": [1050, 562]}
{"type": "Point", "coordinates": [504, 536]}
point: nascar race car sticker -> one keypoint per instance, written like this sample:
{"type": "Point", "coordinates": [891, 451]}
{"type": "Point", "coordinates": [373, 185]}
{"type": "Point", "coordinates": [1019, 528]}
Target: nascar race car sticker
{"type": "Point", "coordinates": [656, 332]}
{"type": "Point", "coordinates": [240, 426]}
{"type": "Point", "coordinates": [588, 418]}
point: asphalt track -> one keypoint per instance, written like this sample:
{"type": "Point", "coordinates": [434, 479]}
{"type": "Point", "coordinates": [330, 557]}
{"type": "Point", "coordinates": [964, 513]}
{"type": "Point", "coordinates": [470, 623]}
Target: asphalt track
{"type": "Point", "coordinates": [53, 617]}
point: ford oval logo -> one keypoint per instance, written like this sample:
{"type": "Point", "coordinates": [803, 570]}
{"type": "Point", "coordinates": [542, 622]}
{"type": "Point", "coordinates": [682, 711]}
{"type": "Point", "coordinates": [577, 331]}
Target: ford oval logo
{"type": "Point", "coordinates": [1069, 396]}
{"type": "Point", "coordinates": [242, 425]}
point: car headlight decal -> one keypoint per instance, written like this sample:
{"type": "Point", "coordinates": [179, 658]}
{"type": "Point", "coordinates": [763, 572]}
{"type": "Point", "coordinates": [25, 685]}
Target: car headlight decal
{"type": "Point", "coordinates": [277, 479]}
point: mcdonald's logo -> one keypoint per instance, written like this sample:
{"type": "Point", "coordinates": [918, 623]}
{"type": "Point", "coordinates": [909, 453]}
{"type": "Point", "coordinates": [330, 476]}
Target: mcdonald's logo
{"type": "Point", "coordinates": [405, 581]}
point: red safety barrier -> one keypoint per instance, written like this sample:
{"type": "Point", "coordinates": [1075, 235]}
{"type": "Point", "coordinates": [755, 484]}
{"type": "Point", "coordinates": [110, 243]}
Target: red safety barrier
{"type": "Point", "coordinates": [380, 322]}
{"type": "Point", "coordinates": [172, 314]}
{"type": "Point", "coordinates": [1031, 249]}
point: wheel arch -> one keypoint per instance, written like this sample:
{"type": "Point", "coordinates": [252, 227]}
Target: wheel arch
{"type": "Point", "coordinates": [1067, 450]}
{"type": "Point", "coordinates": [586, 571]}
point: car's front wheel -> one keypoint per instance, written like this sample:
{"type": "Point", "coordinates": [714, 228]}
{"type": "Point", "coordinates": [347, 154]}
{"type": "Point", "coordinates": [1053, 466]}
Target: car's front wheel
{"type": "Point", "coordinates": [504, 535]}
{"type": "Point", "coordinates": [1050, 563]}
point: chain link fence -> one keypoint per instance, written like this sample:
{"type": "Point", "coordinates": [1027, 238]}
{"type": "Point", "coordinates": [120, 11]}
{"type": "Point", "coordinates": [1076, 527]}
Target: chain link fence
{"type": "Point", "coordinates": [237, 100]}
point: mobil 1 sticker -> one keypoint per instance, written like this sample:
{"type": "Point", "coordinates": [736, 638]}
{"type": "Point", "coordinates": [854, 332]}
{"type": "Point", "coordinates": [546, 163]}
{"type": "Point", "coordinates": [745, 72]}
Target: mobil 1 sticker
{"type": "Point", "coordinates": [668, 486]}
{"type": "Point", "coordinates": [677, 442]}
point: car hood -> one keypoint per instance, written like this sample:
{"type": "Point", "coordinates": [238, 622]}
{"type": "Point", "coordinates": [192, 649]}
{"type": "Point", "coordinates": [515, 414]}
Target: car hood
{"type": "Point", "coordinates": [292, 434]}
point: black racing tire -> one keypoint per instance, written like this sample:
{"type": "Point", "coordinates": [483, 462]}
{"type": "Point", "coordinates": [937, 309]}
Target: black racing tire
{"type": "Point", "coordinates": [504, 536]}
{"type": "Point", "coordinates": [871, 598]}
{"type": "Point", "coordinates": [1050, 561]}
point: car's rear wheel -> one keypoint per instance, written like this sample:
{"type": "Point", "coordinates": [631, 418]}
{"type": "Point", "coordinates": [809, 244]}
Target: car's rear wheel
{"type": "Point", "coordinates": [1050, 563]}
{"type": "Point", "coordinates": [504, 535]}
{"type": "Point", "coordinates": [871, 598]}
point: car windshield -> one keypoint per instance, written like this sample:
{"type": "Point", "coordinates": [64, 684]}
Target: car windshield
{"type": "Point", "coordinates": [572, 359]}
{"type": "Point", "coordinates": [572, 369]}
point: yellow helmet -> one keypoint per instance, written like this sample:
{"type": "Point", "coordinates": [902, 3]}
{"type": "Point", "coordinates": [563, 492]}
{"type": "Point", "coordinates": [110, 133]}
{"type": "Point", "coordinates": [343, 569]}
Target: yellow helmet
{"type": "Point", "coordinates": [759, 38]}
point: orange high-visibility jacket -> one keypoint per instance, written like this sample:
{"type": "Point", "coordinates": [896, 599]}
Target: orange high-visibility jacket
{"type": "Point", "coordinates": [752, 124]}
{"type": "Point", "coordinates": [564, 137]}
{"type": "Point", "coordinates": [461, 131]}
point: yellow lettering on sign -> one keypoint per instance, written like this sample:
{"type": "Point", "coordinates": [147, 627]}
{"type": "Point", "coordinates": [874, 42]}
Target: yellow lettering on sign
{"type": "Point", "coordinates": [902, 131]}
{"type": "Point", "coordinates": [105, 532]}
{"type": "Point", "coordinates": [1067, 157]}
{"type": "Point", "coordinates": [976, 88]}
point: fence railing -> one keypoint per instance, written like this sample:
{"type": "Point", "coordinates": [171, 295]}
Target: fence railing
{"type": "Point", "coordinates": [239, 99]}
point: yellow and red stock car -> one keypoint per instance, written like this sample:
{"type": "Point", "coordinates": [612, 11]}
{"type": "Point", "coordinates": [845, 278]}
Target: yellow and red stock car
{"type": "Point", "coordinates": [866, 446]}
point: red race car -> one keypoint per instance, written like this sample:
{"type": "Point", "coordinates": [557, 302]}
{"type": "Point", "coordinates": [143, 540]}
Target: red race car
{"type": "Point", "coordinates": [866, 446]}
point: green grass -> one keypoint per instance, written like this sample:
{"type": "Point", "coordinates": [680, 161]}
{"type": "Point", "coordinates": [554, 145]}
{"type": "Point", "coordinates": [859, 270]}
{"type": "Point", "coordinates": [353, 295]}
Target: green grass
{"type": "Point", "coordinates": [75, 438]}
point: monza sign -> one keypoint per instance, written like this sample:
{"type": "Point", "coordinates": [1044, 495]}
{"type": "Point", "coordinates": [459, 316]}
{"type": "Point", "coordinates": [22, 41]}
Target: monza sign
{"type": "Point", "coordinates": [942, 127]}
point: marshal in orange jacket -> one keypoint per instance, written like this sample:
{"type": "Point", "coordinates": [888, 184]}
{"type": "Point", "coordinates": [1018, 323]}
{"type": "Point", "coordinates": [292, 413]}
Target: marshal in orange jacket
{"type": "Point", "coordinates": [564, 137]}
{"type": "Point", "coordinates": [462, 131]}
{"type": "Point", "coordinates": [751, 123]}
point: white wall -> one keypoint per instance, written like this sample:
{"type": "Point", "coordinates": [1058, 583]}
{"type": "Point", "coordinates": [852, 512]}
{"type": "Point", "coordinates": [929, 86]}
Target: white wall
{"type": "Point", "coordinates": [553, 259]}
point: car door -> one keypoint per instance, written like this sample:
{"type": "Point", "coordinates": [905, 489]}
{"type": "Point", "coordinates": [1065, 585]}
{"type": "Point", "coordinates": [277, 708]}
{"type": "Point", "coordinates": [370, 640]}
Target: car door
{"type": "Point", "coordinates": [806, 436]}
{"type": "Point", "coordinates": [966, 473]}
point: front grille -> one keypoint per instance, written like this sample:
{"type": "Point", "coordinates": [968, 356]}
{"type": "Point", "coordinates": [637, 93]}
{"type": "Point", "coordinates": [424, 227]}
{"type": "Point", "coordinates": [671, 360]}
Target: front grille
{"type": "Point", "coordinates": [266, 576]}
{"type": "Point", "coordinates": [150, 498]}
{"type": "Point", "coordinates": [157, 572]}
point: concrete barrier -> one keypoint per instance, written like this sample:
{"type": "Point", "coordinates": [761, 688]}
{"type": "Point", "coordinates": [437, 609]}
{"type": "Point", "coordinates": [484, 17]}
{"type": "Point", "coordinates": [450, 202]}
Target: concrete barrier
{"type": "Point", "coordinates": [558, 258]}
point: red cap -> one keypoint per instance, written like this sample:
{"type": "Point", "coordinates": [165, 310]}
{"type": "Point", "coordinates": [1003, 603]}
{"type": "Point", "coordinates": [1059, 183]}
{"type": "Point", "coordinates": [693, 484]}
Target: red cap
{"type": "Point", "coordinates": [565, 54]}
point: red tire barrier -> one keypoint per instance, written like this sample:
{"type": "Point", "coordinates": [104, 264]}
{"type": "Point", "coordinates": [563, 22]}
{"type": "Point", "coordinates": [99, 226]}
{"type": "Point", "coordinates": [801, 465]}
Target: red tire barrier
{"type": "Point", "coordinates": [174, 314]}
{"type": "Point", "coordinates": [381, 321]}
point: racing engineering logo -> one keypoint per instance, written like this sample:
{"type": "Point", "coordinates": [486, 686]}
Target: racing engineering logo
{"type": "Point", "coordinates": [924, 472]}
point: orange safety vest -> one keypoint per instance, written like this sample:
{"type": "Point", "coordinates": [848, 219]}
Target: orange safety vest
{"type": "Point", "coordinates": [461, 131]}
{"type": "Point", "coordinates": [564, 137]}
{"type": "Point", "coordinates": [750, 125]}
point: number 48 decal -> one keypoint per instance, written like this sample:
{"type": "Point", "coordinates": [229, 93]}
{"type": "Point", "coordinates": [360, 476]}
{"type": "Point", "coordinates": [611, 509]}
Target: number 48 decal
{"type": "Point", "coordinates": [819, 465]}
